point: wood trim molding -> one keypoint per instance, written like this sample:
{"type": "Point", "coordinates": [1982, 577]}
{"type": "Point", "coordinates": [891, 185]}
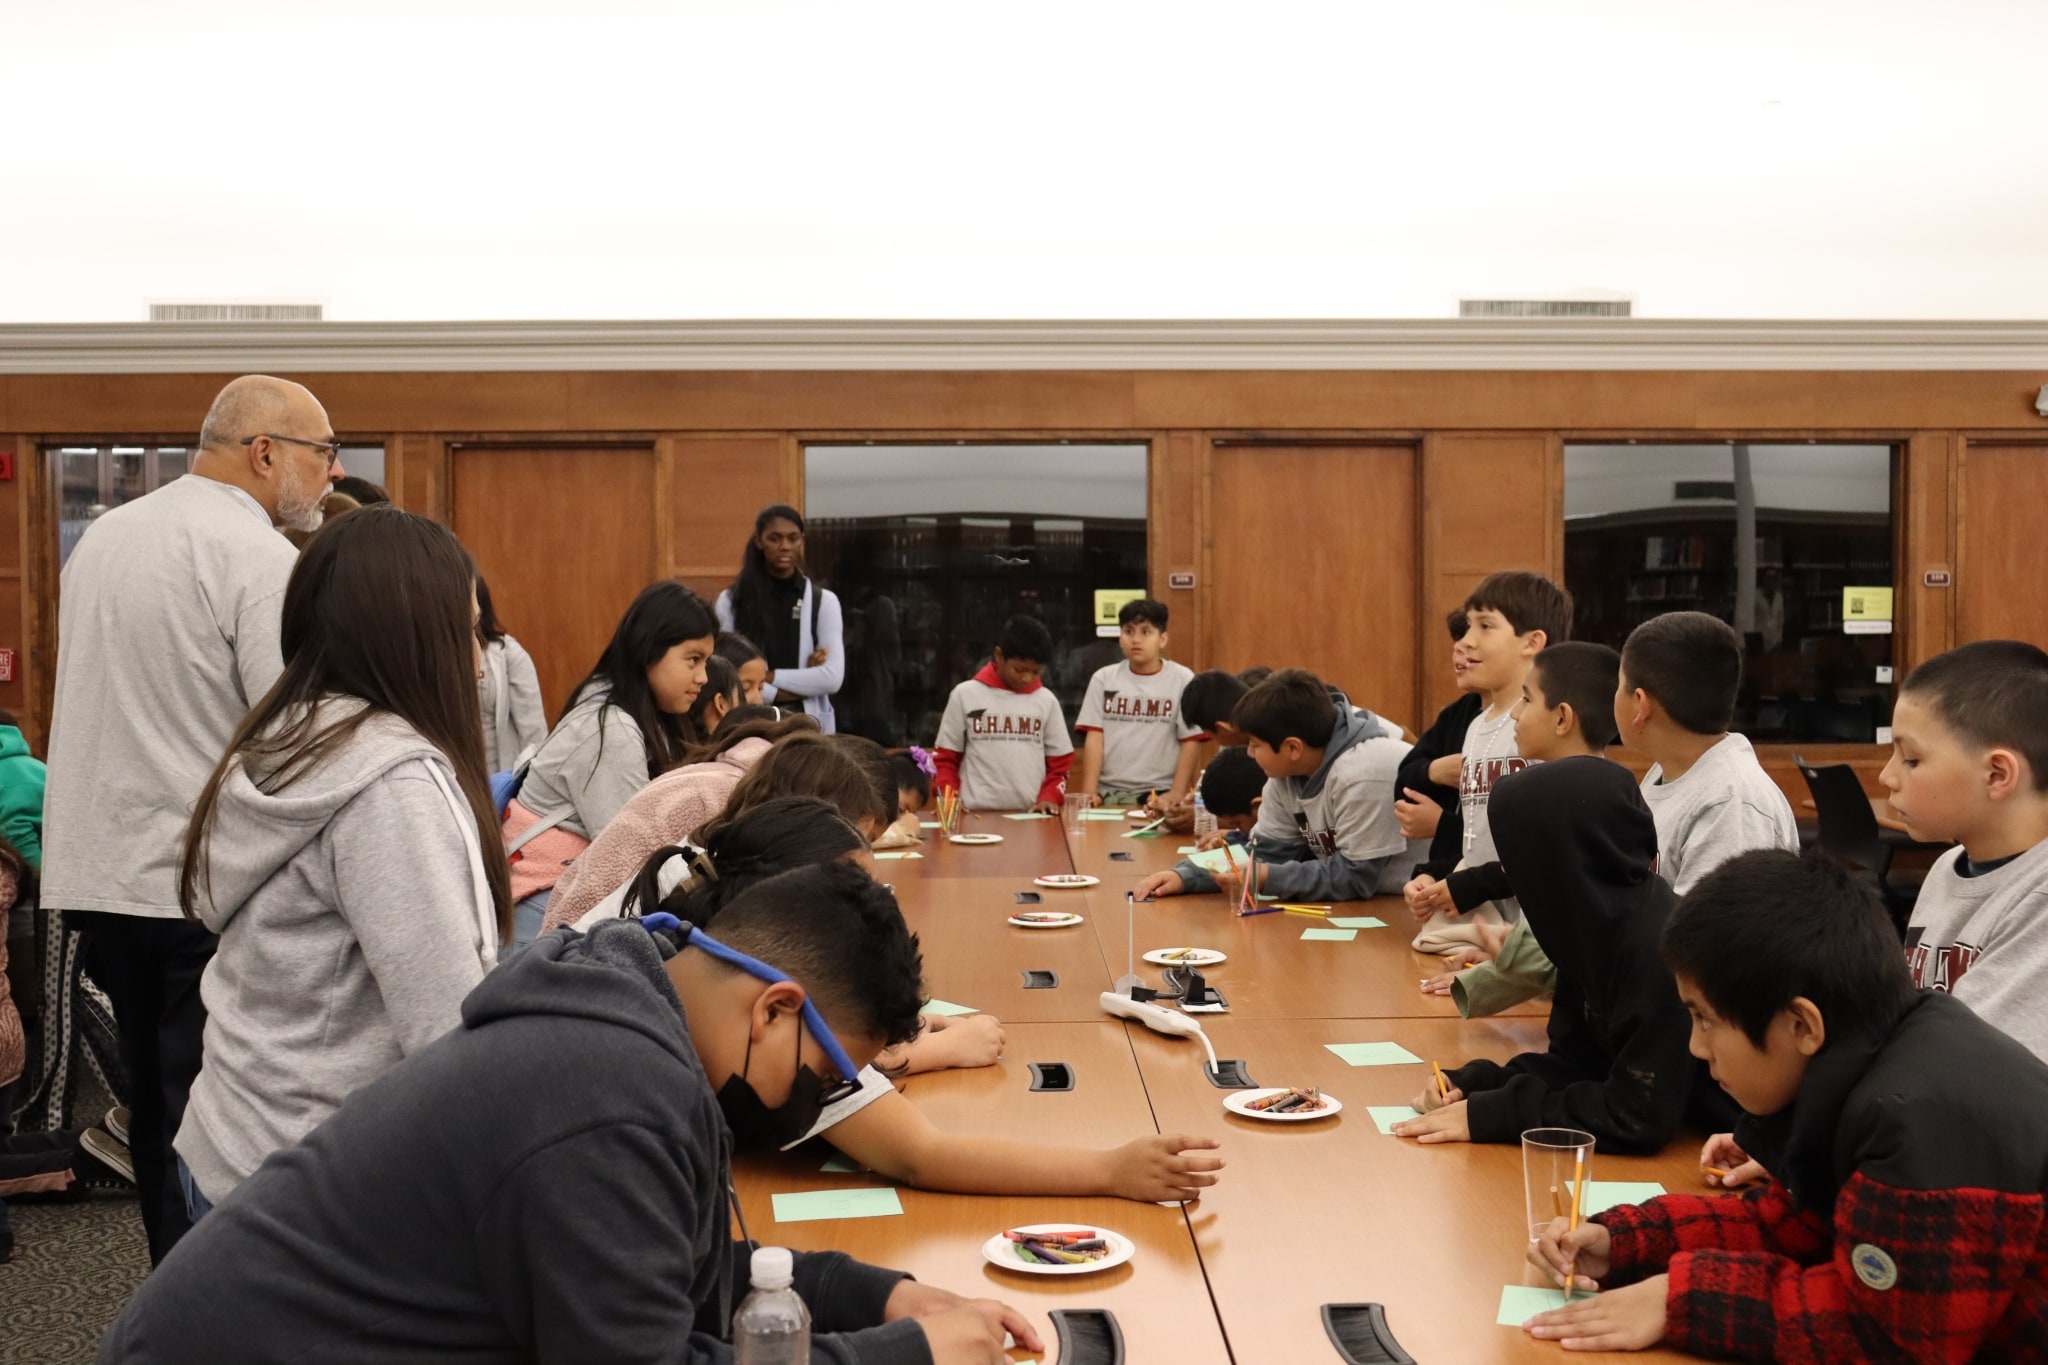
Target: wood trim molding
{"type": "Point", "coordinates": [1414, 344]}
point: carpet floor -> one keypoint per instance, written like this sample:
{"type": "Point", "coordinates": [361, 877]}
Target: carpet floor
{"type": "Point", "coordinates": [74, 1266]}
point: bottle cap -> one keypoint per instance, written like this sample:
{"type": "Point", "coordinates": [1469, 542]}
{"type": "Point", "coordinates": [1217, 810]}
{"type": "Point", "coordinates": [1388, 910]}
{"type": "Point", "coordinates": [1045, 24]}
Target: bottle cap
{"type": "Point", "coordinates": [772, 1268]}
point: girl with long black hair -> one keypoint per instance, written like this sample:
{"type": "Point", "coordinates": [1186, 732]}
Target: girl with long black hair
{"type": "Point", "coordinates": [338, 848]}
{"type": "Point", "coordinates": [625, 725]}
{"type": "Point", "coordinates": [795, 623]}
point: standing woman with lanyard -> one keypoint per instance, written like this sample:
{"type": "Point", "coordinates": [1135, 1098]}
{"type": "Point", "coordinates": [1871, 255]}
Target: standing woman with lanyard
{"type": "Point", "coordinates": [795, 622]}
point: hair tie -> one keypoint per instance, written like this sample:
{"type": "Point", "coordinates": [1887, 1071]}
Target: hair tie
{"type": "Point", "coordinates": [702, 863]}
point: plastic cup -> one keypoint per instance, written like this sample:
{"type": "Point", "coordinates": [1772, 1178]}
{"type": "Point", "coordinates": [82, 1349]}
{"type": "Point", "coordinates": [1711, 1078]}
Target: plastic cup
{"type": "Point", "coordinates": [1552, 1158]}
{"type": "Point", "coordinates": [1070, 812]}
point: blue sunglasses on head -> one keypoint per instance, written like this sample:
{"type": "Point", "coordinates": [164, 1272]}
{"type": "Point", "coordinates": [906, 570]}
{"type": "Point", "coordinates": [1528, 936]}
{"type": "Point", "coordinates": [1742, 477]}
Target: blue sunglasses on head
{"type": "Point", "coordinates": [693, 937]}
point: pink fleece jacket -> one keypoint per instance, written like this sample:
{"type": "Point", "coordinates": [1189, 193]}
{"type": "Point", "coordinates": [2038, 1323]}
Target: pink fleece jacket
{"type": "Point", "coordinates": [665, 811]}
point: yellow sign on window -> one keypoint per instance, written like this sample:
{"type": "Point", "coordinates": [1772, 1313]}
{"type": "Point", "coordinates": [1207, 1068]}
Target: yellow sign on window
{"type": "Point", "coordinates": [1867, 611]}
{"type": "Point", "coordinates": [1110, 601]}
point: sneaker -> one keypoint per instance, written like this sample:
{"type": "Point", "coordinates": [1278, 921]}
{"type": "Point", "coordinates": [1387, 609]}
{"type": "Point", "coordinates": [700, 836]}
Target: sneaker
{"type": "Point", "coordinates": [116, 1122]}
{"type": "Point", "coordinates": [98, 1145]}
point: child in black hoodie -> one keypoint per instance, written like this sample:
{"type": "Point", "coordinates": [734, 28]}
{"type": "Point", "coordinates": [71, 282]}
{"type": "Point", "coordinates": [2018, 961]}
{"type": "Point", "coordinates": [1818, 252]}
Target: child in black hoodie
{"type": "Point", "coordinates": [1580, 850]}
{"type": "Point", "coordinates": [549, 1181]}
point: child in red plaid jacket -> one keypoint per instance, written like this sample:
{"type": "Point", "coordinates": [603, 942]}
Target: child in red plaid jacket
{"type": "Point", "coordinates": [1909, 1139]}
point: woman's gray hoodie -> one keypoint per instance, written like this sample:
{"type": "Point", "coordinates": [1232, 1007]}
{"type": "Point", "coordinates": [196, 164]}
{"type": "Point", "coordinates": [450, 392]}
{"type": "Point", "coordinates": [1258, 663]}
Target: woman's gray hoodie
{"type": "Point", "coordinates": [353, 918]}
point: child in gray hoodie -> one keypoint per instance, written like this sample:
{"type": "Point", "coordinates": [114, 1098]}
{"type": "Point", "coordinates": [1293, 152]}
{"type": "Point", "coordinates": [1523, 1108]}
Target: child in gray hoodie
{"type": "Point", "coordinates": [1326, 828]}
{"type": "Point", "coordinates": [337, 849]}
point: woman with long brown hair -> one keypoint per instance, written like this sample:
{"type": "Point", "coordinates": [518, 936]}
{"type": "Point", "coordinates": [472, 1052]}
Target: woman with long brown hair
{"type": "Point", "coordinates": [339, 849]}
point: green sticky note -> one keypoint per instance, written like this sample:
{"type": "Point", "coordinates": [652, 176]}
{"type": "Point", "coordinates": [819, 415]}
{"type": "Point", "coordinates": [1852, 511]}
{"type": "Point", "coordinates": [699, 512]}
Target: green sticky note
{"type": "Point", "coordinates": [1220, 859]}
{"type": "Point", "coordinates": [1602, 1195]}
{"type": "Point", "coordinates": [1358, 922]}
{"type": "Point", "coordinates": [900, 853]}
{"type": "Point", "coordinates": [1028, 815]}
{"type": "Point", "coordinates": [929, 824]}
{"type": "Point", "coordinates": [1374, 1054]}
{"type": "Point", "coordinates": [1185, 848]}
{"type": "Point", "coordinates": [1328, 935]}
{"type": "Point", "coordinates": [1520, 1302]}
{"type": "Point", "coordinates": [1387, 1115]}
{"type": "Point", "coordinates": [839, 1165]}
{"type": "Point", "coordinates": [815, 1204]}
{"type": "Point", "coordinates": [1144, 834]}
{"type": "Point", "coordinates": [946, 1007]}
{"type": "Point", "coordinates": [1102, 815]}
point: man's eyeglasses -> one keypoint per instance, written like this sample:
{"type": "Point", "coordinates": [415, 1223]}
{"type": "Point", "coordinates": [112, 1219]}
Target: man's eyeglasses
{"type": "Point", "coordinates": [331, 449]}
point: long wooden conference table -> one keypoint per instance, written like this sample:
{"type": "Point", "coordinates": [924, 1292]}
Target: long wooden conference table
{"type": "Point", "coordinates": [1326, 1212]}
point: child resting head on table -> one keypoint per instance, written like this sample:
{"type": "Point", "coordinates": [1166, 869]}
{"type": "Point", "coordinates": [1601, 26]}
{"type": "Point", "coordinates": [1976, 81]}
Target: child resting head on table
{"type": "Point", "coordinates": [883, 1131]}
{"type": "Point", "coordinates": [551, 1179]}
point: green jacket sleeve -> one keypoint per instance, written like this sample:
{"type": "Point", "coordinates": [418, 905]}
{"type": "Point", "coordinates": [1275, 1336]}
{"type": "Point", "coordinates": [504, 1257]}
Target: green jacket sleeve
{"type": "Point", "coordinates": [1521, 972]}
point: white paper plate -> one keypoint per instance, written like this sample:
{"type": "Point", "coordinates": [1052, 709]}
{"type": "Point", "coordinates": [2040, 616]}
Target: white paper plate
{"type": "Point", "coordinates": [976, 838]}
{"type": "Point", "coordinates": [1061, 920]}
{"type": "Point", "coordinates": [997, 1252]}
{"type": "Point", "coordinates": [1236, 1101]}
{"type": "Point", "coordinates": [1068, 881]}
{"type": "Point", "coordinates": [1196, 957]}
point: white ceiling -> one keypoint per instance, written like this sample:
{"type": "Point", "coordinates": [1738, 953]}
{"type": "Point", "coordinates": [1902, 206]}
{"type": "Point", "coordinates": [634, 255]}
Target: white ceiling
{"type": "Point", "coordinates": [1029, 480]}
{"type": "Point", "coordinates": [1144, 158]}
{"type": "Point", "coordinates": [1602, 479]}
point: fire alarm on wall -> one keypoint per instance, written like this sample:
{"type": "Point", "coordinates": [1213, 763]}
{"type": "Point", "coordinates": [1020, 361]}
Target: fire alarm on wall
{"type": "Point", "coordinates": [6, 465]}
{"type": "Point", "coordinates": [6, 665]}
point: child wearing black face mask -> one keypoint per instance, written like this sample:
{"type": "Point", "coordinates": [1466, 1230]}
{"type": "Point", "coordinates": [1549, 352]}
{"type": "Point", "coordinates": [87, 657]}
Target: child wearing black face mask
{"type": "Point", "coordinates": [550, 1178]}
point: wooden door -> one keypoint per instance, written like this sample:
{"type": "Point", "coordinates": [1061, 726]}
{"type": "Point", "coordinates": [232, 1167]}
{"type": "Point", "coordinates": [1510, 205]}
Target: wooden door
{"type": "Point", "coordinates": [1312, 565]}
{"type": "Point", "coordinates": [2002, 569]}
{"type": "Point", "coordinates": [565, 537]}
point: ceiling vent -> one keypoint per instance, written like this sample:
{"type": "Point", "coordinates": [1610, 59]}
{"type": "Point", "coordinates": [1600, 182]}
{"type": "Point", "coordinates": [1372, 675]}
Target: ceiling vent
{"type": "Point", "coordinates": [1544, 308]}
{"type": "Point", "coordinates": [234, 312]}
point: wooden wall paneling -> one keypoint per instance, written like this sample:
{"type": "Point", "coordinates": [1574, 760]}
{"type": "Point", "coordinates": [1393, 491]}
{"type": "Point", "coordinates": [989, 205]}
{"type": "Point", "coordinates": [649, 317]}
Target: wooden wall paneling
{"type": "Point", "coordinates": [1489, 502]}
{"type": "Point", "coordinates": [719, 483]}
{"type": "Point", "coordinates": [794, 486]}
{"type": "Point", "coordinates": [1926, 516]}
{"type": "Point", "coordinates": [566, 538]}
{"type": "Point", "coordinates": [2002, 564]}
{"type": "Point", "coordinates": [1313, 565]}
{"type": "Point", "coordinates": [1635, 402]}
{"type": "Point", "coordinates": [1173, 539]}
{"type": "Point", "coordinates": [421, 483]}
{"type": "Point", "coordinates": [926, 402]}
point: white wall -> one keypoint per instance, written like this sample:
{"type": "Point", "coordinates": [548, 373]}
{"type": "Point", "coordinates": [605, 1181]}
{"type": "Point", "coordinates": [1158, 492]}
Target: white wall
{"type": "Point", "coordinates": [1049, 481]}
{"type": "Point", "coordinates": [409, 159]}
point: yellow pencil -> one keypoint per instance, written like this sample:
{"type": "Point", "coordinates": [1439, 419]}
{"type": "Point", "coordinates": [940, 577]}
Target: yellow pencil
{"type": "Point", "coordinates": [1578, 1198]}
{"type": "Point", "coordinates": [1443, 1087]}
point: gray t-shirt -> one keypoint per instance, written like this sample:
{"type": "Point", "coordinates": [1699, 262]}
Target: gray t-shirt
{"type": "Point", "coordinates": [1490, 753]}
{"type": "Point", "coordinates": [591, 771]}
{"type": "Point", "coordinates": [1724, 805]}
{"type": "Point", "coordinates": [1003, 739]}
{"type": "Point", "coordinates": [1984, 939]}
{"type": "Point", "coordinates": [1142, 728]}
{"type": "Point", "coordinates": [168, 634]}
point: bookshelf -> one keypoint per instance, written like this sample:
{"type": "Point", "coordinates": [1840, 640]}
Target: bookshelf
{"type": "Point", "coordinates": [1813, 682]}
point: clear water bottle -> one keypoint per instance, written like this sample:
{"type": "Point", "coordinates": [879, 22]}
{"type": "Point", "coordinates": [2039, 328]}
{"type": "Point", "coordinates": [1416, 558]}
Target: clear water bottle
{"type": "Point", "coordinates": [772, 1327]}
{"type": "Point", "coordinates": [1205, 823]}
